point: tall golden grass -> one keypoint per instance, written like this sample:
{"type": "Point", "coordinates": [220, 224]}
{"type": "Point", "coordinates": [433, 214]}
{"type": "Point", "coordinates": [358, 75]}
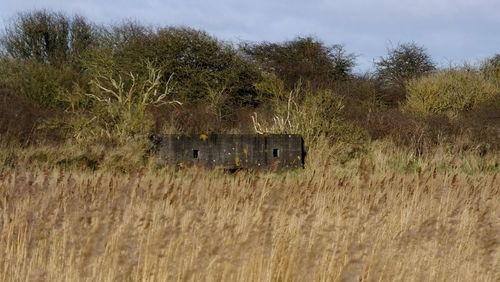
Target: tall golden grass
{"type": "Point", "coordinates": [317, 224]}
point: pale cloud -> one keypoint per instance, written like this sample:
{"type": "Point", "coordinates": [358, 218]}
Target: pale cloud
{"type": "Point", "coordinates": [452, 30]}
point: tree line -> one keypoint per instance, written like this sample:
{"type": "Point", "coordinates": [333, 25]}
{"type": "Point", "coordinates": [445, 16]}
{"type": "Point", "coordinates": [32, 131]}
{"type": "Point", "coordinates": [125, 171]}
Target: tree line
{"type": "Point", "coordinates": [69, 64]}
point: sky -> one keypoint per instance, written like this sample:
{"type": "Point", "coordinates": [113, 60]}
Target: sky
{"type": "Point", "coordinates": [453, 31]}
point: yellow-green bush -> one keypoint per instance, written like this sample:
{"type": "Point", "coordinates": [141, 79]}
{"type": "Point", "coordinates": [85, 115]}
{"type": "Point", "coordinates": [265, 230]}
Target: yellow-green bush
{"type": "Point", "coordinates": [449, 92]}
{"type": "Point", "coordinates": [41, 83]}
{"type": "Point", "coordinates": [306, 111]}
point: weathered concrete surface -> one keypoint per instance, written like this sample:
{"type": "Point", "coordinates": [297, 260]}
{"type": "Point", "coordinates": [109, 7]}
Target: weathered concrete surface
{"type": "Point", "coordinates": [274, 151]}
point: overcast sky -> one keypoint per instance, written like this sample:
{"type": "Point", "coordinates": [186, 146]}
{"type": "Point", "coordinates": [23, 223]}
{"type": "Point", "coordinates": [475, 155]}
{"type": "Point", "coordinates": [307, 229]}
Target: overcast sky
{"type": "Point", "coordinates": [453, 31]}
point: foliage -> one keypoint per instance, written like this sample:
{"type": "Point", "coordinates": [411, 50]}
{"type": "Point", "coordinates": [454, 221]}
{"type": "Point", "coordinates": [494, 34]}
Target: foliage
{"type": "Point", "coordinates": [19, 119]}
{"type": "Point", "coordinates": [45, 85]}
{"type": "Point", "coordinates": [303, 59]}
{"type": "Point", "coordinates": [404, 62]}
{"type": "Point", "coordinates": [200, 62]}
{"type": "Point", "coordinates": [300, 111]}
{"type": "Point", "coordinates": [491, 69]}
{"type": "Point", "coordinates": [71, 79]}
{"type": "Point", "coordinates": [47, 37]}
{"type": "Point", "coordinates": [42, 58]}
{"type": "Point", "coordinates": [121, 104]}
{"type": "Point", "coordinates": [449, 92]}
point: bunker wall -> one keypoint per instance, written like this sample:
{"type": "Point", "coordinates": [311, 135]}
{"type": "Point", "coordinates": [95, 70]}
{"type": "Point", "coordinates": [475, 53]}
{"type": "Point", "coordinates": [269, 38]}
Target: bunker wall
{"type": "Point", "coordinates": [276, 151]}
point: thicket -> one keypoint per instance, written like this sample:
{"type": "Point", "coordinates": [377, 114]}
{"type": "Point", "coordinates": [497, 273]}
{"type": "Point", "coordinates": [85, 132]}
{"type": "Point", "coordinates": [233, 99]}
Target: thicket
{"type": "Point", "coordinates": [450, 92]}
{"type": "Point", "coordinates": [304, 58]}
{"type": "Point", "coordinates": [65, 79]}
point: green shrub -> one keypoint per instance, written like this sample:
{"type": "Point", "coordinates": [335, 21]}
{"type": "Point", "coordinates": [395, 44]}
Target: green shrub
{"type": "Point", "coordinates": [199, 62]}
{"type": "Point", "coordinates": [43, 84]}
{"type": "Point", "coordinates": [303, 59]}
{"type": "Point", "coordinates": [449, 92]}
{"type": "Point", "coordinates": [42, 56]}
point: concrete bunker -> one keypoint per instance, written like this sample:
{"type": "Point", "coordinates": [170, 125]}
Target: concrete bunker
{"type": "Point", "coordinates": [232, 151]}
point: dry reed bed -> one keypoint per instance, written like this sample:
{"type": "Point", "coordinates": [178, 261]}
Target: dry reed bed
{"type": "Point", "coordinates": [209, 226]}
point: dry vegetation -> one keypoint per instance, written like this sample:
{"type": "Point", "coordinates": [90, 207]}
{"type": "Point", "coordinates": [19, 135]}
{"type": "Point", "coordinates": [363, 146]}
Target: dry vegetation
{"type": "Point", "coordinates": [401, 180]}
{"type": "Point", "coordinates": [369, 223]}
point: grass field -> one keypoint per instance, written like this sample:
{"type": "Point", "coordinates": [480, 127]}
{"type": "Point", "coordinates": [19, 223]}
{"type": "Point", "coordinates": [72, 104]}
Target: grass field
{"type": "Point", "coordinates": [317, 224]}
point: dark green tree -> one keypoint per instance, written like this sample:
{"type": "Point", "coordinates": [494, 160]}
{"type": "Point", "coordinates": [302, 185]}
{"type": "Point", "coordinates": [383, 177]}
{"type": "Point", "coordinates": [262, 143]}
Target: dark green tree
{"type": "Point", "coordinates": [198, 63]}
{"type": "Point", "coordinates": [304, 58]}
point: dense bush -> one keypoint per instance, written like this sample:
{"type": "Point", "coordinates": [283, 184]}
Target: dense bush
{"type": "Point", "coordinates": [18, 118]}
{"type": "Point", "coordinates": [201, 64]}
{"type": "Point", "coordinates": [303, 59]}
{"type": "Point", "coordinates": [491, 69]}
{"type": "Point", "coordinates": [309, 112]}
{"type": "Point", "coordinates": [418, 134]}
{"type": "Point", "coordinates": [449, 92]}
{"type": "Point", "coordinates": [45, 85]}
{"type": "Point", "coordinates": [47, 37]}
{"type": "Point", "coordinates": [113, 83]}
{"type": "Point", "coordinates": [42, 56]}
{"type": "Point", "coordinates": [198, 62]}
{"type": "Point", "coordinates": [120, 104]}
{"type": "Point", "coordinates": [481, 127]}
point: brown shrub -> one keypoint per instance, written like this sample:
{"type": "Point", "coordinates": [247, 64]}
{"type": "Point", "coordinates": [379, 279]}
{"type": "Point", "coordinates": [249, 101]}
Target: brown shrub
{"type": "Point", "coordinates": [24, 122]}
{"type": "Point", "coordinates": [482, 126]}
{"type": "Point", "coordinates": [404, 130]}
{"type": "Point", "coordinates": [19, 118]}
{"type": "Point", "coordinates": [477, 130]}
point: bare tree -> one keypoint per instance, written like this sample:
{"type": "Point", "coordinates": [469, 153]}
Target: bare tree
{"type": "Point", "coordinates": [402, 63]}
